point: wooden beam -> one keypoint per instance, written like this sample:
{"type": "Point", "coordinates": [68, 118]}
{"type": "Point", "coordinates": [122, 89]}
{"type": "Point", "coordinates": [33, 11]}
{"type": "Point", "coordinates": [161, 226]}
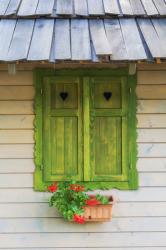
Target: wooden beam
{"type": "Point", "coordinates": [132, 68]}
{"type": "Point", "coordinates": [12, 69]}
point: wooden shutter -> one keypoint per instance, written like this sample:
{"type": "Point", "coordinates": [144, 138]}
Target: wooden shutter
{"type": "Point", "coordinates": [108, 129]}
{"type": "Point", "coordinates": [62, 126]}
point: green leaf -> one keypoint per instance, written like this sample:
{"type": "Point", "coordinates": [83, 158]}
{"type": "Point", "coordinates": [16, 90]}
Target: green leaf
{"type": "Point", "coordinates": [104, 200]}
{"type": "Point", "coordinates": [70, 215]}
{"type": "Point", "coordinates": [65, 214]}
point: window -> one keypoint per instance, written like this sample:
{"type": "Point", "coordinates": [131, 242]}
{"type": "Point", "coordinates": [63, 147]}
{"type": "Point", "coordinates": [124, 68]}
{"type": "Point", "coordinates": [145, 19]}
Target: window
{"type": "Point", "coordinates": [85, 130]}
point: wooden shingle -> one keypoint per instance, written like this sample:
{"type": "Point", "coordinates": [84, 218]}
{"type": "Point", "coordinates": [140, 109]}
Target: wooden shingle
{"type": "Point", "coordinates": [40, 46]}
{"type": "Point", "coordinates": [99, 38]}
{"type": "Point", "coordinates": [20, 42]}
{"type": "Point", "coordinates": [80, 40]}
{"type": "Point", "coordinates": [152, 39]}
{"type": "Point", "coordinates": [133, 42]}
{"type": "Point", "coordinates": [62, 45]}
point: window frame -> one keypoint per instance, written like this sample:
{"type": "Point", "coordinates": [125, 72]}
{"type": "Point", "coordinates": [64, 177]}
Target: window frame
{"type": "Point", "coordinates": [39, 75]}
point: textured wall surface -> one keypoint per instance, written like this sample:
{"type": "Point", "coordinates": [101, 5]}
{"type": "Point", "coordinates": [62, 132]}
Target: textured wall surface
{"type": "Point", "coordinates": [139, 217]}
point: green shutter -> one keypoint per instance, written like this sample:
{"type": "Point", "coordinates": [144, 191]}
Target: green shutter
{"type": "Point", "coordinates": [62, 126]}
{"type": "Point", "coordinates": [108, 129]}
{"type": "Point", "coordinates": [91, 135]}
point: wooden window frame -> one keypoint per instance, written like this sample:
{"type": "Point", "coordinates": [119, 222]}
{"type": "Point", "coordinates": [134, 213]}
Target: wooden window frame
{"type": "Point", "coordinates": [39, 74]}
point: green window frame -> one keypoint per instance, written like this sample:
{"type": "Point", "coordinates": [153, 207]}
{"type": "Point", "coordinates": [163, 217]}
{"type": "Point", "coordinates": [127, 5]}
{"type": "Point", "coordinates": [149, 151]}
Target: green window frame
{"type": "Point", "coordinates": [87, 117]}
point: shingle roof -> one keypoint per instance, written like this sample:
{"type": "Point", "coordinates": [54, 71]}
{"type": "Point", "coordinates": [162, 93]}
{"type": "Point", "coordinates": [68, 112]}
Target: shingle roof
{"type": "Point", "coordinates": [82, 30]}
{"type": "Point", "coordinates": [88, 8]}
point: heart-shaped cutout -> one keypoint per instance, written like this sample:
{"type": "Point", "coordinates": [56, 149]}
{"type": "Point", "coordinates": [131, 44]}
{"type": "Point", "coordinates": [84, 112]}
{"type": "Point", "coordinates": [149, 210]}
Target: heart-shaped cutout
{"type": "Point", "coordinates": [63, 95]}
{"type": "Point", "coordinates": [107, 95]}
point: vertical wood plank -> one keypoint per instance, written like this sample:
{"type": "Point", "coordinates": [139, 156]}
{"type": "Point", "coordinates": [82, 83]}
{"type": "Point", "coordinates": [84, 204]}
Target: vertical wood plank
{"type": "Point", "coordinates": [80, 40]}
{"type": "Point", "coordinates": [12, 7]}
{"type": "Point", "coordinates": [157, 49]}
{"type": "Point", "coordinates": [45, 7]}
{"type": "Point", "coordinates": [161, 6]}
{"type": "Point", "coordinates": [64, 7]}
{"type": "Point", "coordinates": [62, 40]}
{"type": "Point", "coordinates": [28, 7]}
{"type": "Point", "coordinates": [107, 147]}
{"type": "Point", "coordinates": [6, 28]}
{"type": "Point", "coordinates": [3, 6]}
{"type": "Point", "coordinates": [86, 117]}
{"type": "Point", "coordinates": [70, 152]}
{"type": "Point", "coordinates": [111, 7]}
{"type": "Point", "coordinates": [137, 7]}
{"type": "Point", "coordinates": [133, 42]}
{"type": "Point", "coordinates": [20, 43]}
{"type": "Point", "coordinates": [94, 56]}
{"type": "Point", "coordinates": [126, 7]}
{"type": "Point", "coordinates": [160, 26]}
{"type": "Point", "coordinates": [150, 7]}
{"type": "Point", "coordinates": [116, 40]}
{"type": "Point", "coordinates": [62, 134]}
{"type": "Point", "coordinates": [40, 48]}
{"type": "Point", "coordinates": [99, 38]}
{"type": "Point", "coordinates": [57, 132]}
{"type": "Point", "coordinates": [95, 7]}
{"type": "Point", "coordinates": [81, 7]}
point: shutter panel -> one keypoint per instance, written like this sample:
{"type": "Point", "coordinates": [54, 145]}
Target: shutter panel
{"type": "Point", "coordinates": [62, 145]}
{"type": "Point", "coordinates": [108, 129]}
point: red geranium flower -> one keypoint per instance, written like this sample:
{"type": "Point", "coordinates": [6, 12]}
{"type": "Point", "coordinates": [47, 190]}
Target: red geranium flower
{"type": "Point", "coordinates": [92, 202]}
{"type": "Point", "coordinates": [72, 187]}
{"type": "Point", "coordinates": [53, 188]}
{"type": "Point", "coordinates": [79, 188]}
{"type": "Point", "coordinates": [79, 219]}
{"type": "Point", "coordinates": [76, 187]}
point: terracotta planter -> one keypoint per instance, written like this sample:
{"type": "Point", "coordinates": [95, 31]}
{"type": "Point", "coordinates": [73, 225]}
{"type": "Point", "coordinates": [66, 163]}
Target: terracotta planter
{"type": "Point", "coordinates": [99, 212]}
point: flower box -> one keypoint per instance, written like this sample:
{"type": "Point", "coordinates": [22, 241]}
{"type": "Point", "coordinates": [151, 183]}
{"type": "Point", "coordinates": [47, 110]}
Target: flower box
{"type": "Point", "coordinates": [76, 205]}
{"type": "Point", "coordinates": [99, 212]}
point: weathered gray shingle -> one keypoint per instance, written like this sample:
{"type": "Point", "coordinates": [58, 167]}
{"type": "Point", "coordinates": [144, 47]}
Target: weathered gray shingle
{"type": "Point", "coordinates": [48, 39]}
{"type": "Point", "coordinates": [82, 30]}
{"type": "Point", "coordinates": [74, 8]}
